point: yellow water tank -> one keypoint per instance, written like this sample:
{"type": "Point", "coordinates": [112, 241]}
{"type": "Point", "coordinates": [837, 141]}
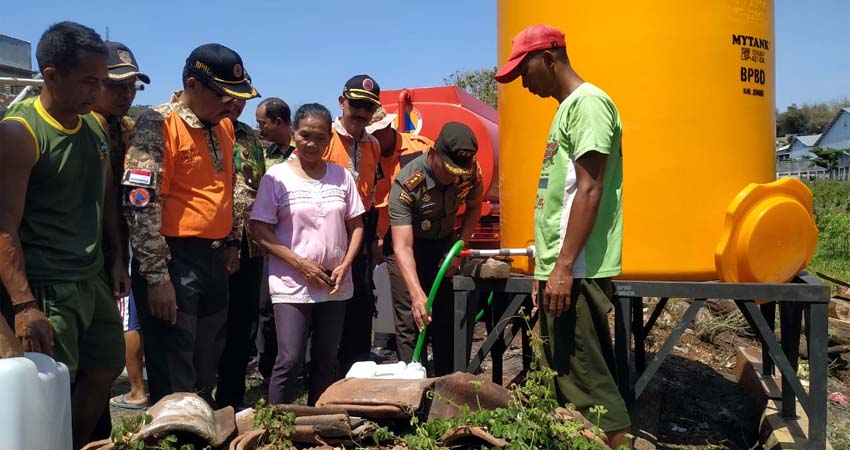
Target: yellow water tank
{"type": "Point", "coordinates": [694, 83]}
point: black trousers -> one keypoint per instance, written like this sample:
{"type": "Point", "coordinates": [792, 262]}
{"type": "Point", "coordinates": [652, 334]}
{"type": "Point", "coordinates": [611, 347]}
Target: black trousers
{"type": "Point", "coordinates": [184, 357]}
{"type": "Point", "coordinates": [356, 343]}
{"type": "Point", "coordinates": [428, 255]}
{"type": "Point", "coordinates": [242, 315]}
{"type": "Point", "coordinates": [266, 333]}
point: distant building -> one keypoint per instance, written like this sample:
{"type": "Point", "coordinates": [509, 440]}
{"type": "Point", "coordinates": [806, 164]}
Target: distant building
{"type": "Point", "coordinates": [837, 134]}
{"type": "Point", "coordinates": [15, 61]}
{"type": "Point", "coordinates": [794, 160]}
{"type": "Point", "coordinates": [801, 147]}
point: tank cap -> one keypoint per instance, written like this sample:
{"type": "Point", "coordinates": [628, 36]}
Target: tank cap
{"type": "Point", "coordinates": [769, 234]}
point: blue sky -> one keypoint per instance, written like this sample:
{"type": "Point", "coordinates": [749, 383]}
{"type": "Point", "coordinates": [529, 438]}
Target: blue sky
{"type": "Point", "coordinates": [304, 52]}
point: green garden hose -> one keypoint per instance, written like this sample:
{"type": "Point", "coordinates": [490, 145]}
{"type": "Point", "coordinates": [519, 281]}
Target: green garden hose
{"type": "Point", "coordinates": [481, 313]}
{"type": "Point", "coordinates": [417, 353]}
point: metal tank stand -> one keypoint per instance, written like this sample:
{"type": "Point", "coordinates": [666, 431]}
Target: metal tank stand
{"type": "Point", "coordinates": [805, 297]}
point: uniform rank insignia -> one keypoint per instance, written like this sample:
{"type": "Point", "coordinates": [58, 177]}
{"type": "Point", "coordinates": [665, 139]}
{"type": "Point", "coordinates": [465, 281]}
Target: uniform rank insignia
{"type": "Point", "coordinates": [405, 197]}
{"type": "Point", "coordinates": [414, 180]}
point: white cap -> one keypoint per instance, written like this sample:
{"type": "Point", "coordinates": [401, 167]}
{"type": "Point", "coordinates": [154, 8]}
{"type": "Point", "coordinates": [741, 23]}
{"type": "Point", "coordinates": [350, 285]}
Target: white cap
{"type": "Point", "coordinates": [380, 120]}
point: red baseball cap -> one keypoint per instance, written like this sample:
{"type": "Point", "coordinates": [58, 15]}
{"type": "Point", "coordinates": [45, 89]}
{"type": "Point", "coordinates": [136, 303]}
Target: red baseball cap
{"type": "Point", "coordinates": [533, 38]}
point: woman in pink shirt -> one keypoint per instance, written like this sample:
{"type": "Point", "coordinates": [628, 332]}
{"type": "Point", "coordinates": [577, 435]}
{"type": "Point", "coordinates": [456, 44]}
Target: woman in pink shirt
{"type": "Point", "coordinates": [307, 215]}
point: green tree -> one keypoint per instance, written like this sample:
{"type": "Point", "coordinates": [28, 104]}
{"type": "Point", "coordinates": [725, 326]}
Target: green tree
{"type": "Point", "coordinates": [792, 121]}
{"type": "Point", "coordinates": [479, 83]}
{"type": "Point", "coordinates": [811, 118]}
{"type": "Point", "coordinates": [827, 158]}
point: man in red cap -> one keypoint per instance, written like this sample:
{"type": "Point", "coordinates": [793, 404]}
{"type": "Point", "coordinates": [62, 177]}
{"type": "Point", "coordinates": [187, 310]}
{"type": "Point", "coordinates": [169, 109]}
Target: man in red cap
{"type": "Point", "coordinates": [578, 225]}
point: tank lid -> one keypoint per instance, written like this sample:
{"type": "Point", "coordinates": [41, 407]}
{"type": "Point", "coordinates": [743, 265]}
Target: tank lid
{"type": "Point", "coordinates": [769, 235]}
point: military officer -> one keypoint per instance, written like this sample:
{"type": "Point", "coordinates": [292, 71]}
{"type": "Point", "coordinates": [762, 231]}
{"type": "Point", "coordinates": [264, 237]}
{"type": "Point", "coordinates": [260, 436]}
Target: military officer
{"type": "Point", "coordinates": [425, 198]}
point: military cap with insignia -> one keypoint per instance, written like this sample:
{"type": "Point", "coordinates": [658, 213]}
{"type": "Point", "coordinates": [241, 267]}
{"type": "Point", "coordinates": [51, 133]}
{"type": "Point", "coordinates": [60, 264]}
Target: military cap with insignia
{"type": "Point", "coordinates": [457, 147]}
{"type": "Point", "coordinates": [121, 63]}
{"type": "Point", "coordinates": [362, 87]}
{"type": "Point", "coordinates": [221, 69]}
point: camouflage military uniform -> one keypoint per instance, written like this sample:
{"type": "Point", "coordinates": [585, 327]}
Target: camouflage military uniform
{"type": "Point", "coordinates": [274, 155]}
{"type": "Point", "coordinates": [250, 164]}
{"type": "Point", "coordinates": [183, 357]}
{"type": "Point", "coordinates": [118, 131]}
{"type": "Point", "coordinates": [417, 199]}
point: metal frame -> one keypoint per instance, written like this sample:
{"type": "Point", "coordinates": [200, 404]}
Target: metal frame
{"type": "Point", "coordinates": [806, 296]}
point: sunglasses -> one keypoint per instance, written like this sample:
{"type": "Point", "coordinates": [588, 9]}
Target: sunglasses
{"type": "Point", "coordinates": [362, 104]}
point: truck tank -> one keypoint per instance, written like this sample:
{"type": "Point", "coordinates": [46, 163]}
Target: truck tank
{"type": "Point", "coordinates": [427, 109]}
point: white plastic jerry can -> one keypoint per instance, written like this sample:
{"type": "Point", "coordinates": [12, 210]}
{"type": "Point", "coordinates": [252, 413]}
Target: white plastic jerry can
{"type": "Point", "coordinates": [35, 403]}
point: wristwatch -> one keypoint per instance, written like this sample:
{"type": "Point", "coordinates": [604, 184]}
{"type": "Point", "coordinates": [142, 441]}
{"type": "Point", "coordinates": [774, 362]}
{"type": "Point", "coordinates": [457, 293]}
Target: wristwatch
{"type": "Point", "coordinates": [23, 306]}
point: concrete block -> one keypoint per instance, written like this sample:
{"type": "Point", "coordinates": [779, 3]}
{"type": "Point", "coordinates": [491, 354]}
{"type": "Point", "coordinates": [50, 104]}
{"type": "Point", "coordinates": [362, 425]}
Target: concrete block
{"type": "Point", "coordinates": [776, 432]}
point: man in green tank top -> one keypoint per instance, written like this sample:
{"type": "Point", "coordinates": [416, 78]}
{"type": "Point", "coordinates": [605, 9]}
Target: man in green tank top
{"type": "Point", "coordinates": [578, 226]}
{"type": "Point", "coordinates": [54, 170]}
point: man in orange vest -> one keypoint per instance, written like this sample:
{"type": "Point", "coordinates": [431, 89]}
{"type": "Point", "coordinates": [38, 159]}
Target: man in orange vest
{"type": "Point", "coordinates": [397, 149]}
{"type": "Point", "coordinates": [178, 200]}
{"type": "Point", "coordinates": [355, 149]}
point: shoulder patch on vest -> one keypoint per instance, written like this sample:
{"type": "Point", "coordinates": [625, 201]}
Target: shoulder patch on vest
{"type": "Point", "coordinates": [139, 197]}
{"type": "Point", "coordinates": [413, 181]}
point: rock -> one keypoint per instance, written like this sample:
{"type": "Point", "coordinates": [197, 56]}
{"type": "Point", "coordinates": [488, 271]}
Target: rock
{"type": "Point", "coordinates": [487, 269]}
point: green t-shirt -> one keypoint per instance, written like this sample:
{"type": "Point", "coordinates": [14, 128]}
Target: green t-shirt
{"type": "Point", "coordinates": [587, 120]}
{"type": "Point", "coordinates": [62, 224]}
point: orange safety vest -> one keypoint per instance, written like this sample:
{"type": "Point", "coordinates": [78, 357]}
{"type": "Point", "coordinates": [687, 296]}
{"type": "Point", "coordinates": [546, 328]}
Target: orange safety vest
{"type": "Point", "coordinates": [198, 198]}
{"type": "Point", "coordinates": [407, 147]}
{"type": "Point", "coordinates": [337, 153]}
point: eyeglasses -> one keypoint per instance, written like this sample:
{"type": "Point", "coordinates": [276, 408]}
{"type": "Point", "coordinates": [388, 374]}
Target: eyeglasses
{"type": "Point", "coordinates": [224, 98]}
{"type": "Point", "coordinates": [362, 104]}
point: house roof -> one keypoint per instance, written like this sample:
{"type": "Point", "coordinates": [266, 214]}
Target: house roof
{"type": "Point", "coordinates": [809, 140]}
{"type": "Point", "coordinates": [834, 119]}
